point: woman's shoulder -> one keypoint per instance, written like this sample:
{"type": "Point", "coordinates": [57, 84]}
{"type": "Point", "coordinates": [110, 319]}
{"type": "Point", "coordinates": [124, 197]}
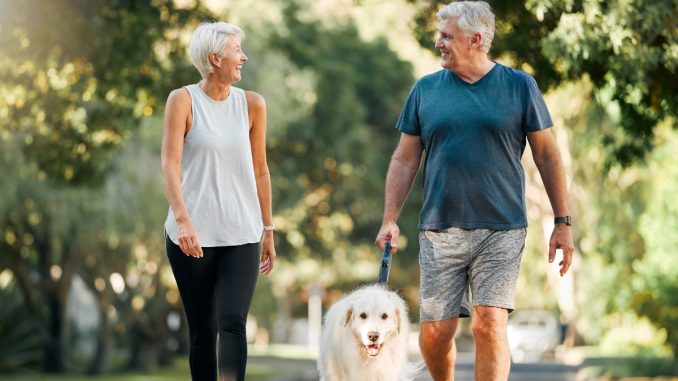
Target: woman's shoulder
{"type": "Point", "coordinates": [180, 95]}
{"type": "Point", "coordinates": [254, 99]}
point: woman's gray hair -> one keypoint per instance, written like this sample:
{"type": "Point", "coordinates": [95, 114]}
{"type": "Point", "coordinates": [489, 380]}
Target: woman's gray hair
{"type": "Point", "coordinates": [473, 17]}
{"type": "Point", "coordinates": [208, 38]}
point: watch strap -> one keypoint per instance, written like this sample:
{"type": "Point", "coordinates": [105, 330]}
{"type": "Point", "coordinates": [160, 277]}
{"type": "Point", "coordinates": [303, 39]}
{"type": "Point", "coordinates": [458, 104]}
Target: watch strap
{"type": "Point", "coordinates": [567, 220]}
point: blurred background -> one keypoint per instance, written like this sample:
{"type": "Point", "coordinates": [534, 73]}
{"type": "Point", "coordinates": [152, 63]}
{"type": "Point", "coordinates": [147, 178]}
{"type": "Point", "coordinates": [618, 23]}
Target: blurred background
{"type": "Point", "coordinates": [85, 286]}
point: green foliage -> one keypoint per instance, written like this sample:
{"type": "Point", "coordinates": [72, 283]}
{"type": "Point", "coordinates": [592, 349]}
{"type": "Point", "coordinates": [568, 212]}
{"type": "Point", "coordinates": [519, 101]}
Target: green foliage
{"type": "Point", "coordinates": [628, 49]}
{"type": "Point", "coordinates": [624, 231]}
{"type": "Point", "coordinates": [74, 89]}
{"type": "Point", "coordinates": [656, 282]}
{"type": "Point", "coordinates": [19, 342]}
{"type": "Point", "coordinates": [329, 163]}
{"type": "Point", "coordinates": [76, 77]}
{"type": "Point", "coordinates": [631, 367]}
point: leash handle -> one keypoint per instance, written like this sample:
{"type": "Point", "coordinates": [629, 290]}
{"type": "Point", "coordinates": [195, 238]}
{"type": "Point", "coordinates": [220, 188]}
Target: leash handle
{"type": "Point", "coordinates": [385, 268]}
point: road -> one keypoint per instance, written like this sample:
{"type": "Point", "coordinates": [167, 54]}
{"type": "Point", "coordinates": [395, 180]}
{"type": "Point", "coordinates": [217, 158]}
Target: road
{"type": "Point", "coordinates": [304, 370]}
{"type": "Point", "coordinates": [543, 371]}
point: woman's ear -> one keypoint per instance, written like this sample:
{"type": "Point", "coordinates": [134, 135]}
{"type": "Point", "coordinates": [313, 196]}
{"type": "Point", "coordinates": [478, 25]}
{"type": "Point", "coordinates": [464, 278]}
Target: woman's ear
{"type": "Point", "coordinates": [215, 59]}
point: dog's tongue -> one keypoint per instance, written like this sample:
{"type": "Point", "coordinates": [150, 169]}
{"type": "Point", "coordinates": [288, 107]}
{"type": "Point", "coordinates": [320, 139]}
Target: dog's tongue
{"type": "Point", "coordinates": [373, 349]}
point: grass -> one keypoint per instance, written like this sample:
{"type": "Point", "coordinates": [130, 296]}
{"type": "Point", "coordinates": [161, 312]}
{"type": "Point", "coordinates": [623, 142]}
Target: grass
{"type": "Point", "coordinates": [635, 366]}
{"type": "Point", "coordinates": [257, 368]}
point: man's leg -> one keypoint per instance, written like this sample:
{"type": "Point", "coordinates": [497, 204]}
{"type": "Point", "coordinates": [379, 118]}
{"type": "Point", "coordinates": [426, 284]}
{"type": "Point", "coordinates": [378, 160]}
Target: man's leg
{"type": "Point", "coordinates": [493, 357]}
{"type": "Point", "coordinates": [436, 340]}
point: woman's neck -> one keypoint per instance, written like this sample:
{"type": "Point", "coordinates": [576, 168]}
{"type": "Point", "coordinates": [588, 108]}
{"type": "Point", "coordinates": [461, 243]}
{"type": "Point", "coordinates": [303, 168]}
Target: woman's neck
{"type": "Point", "coordinates": [216, 90]}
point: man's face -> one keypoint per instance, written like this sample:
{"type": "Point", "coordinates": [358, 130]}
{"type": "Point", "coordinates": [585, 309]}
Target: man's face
{"type": "Point", "coordinates": [453, 44]}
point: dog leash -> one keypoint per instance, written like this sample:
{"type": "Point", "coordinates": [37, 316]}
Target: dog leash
{"type": "Point", "coordinates": [385, 268]}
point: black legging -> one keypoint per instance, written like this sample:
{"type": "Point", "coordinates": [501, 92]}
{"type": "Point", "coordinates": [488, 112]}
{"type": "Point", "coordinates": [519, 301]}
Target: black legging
{"type": "Point", "coordinates": [217, 291]}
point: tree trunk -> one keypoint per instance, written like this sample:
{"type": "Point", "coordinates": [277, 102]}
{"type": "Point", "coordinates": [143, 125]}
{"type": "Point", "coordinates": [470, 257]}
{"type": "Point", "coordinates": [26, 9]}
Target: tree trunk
{"type": "Point", "coordinates": [144, 350]}
{"type": "Point", "coordinates": [99, 362]}
{"type": "Point", "coordinates": [55, 345]}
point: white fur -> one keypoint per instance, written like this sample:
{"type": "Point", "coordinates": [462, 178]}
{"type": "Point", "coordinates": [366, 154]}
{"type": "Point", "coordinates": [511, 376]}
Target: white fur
{"type": "Point", "coordinates": [348, 323]}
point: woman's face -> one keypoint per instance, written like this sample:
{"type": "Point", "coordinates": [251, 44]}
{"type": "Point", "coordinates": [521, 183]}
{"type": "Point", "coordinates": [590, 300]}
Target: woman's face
{"type": "Point", "coordinates": [231, 61]}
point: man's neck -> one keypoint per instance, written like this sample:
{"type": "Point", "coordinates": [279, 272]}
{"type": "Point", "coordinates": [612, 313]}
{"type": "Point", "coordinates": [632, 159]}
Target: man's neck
{"type": "Point", "coordinates": [473, 70]}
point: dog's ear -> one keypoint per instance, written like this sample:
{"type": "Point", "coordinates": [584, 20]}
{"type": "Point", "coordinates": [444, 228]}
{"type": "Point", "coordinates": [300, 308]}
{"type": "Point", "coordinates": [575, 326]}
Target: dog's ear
{"type": "Point", "coordinates": [349, 314]}
{"type": "Point", "coordinates": [397, 319]}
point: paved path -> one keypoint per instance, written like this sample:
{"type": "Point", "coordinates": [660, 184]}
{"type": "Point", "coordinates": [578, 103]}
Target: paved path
{"type": "Point", "coordinates": [543, 371]}
{"type": "Point", "coordinates": [305, 370]}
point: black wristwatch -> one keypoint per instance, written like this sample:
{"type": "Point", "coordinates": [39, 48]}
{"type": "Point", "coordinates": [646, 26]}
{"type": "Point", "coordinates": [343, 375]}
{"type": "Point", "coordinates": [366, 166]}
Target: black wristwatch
{"type": "Point", "coordinates": [567, 220]}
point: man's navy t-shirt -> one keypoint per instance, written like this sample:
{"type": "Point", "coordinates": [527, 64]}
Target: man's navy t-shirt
{"type": "Point", "coordinates": [474, 136]}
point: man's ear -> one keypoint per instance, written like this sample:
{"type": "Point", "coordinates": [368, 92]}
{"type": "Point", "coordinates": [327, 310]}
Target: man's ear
{"type": "Point", "coordinates": [349, 315]}
{"type": "Point", "coordinates": [475, 41]}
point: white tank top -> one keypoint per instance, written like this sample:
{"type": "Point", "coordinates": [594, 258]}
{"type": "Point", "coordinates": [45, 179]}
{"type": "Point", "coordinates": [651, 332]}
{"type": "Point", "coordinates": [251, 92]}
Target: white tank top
{"type": "Point", "coordinates": [217, 173]}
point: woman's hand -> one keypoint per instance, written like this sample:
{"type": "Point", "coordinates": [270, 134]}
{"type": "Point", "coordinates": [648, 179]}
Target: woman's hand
{"type": "Point", "coordinates": [188, 239]}
{"type": "Point", "coordinates": [267, 254]}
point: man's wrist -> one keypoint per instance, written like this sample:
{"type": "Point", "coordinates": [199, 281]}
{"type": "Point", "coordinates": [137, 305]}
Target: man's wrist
{"type": "Point", "coordinates": [564, 220]}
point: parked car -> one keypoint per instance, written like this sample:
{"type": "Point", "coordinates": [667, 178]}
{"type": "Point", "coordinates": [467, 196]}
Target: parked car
{"type": "Point", "coordinates": [532, 335]}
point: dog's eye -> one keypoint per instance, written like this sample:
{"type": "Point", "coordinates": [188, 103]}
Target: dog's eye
{"type": "Point", "coordinates": [384, 316]}
{"type": "Point", "coordinates": [363, 315]}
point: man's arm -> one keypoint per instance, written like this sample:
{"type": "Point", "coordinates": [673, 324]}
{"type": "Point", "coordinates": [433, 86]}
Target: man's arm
{"type": "Point", "coordinates": [547, 158]}
{"type": "Point", "coordinates": [399, 179]}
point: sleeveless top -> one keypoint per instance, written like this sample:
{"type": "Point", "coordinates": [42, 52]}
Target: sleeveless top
{"type": "Point", "coordinates": [217, 173]}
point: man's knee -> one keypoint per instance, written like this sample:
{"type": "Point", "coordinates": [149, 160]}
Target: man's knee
{"type": "Point", "coordinates": [489, 322]}
{"type": "Point", "coordinates": [435, 334]}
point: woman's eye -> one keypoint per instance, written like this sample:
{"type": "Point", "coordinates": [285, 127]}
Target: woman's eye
{"type": "Point", "coordinates": [363, 315]}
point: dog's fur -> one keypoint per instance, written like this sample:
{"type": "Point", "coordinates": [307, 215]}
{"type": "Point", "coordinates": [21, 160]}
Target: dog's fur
{"type": "Point", "coordinates": [364, 337]}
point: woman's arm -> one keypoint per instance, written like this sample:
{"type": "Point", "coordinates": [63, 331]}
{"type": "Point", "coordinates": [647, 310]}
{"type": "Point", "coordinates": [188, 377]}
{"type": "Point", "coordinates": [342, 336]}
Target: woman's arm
{"type": "Point", "coordinates": [256, 106]}
{"type": "Point", "coordinates": [176, 125]}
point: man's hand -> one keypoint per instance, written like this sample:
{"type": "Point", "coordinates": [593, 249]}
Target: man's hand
{"type": "Point", "coordinates": [561, 238]}
{"type": "Point", "coordinates": [389, 232]}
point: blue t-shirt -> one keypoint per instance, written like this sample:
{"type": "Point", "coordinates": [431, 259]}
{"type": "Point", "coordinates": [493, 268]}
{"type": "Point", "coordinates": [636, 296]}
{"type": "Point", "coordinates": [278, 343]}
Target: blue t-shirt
{"type": "Point", "coordinates": [474, 136]}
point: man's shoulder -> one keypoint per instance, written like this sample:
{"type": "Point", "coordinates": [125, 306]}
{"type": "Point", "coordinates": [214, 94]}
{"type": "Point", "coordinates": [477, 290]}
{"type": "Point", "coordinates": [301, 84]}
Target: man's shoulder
{"type": "Point", "coordinates": [515, 75]}
{"type": "Point", "coordinates": [430, 79]}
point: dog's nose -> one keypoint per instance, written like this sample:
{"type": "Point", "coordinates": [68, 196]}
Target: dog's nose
{"type": "Point", "coordinates": [373, 336]}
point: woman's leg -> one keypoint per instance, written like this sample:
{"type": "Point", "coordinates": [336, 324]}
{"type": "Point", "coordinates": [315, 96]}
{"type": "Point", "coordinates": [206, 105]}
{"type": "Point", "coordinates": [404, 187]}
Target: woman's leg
{"type": "Point", "coordinates": [196, 279]}
{"type": "Point", "coordinates": [238, 268]}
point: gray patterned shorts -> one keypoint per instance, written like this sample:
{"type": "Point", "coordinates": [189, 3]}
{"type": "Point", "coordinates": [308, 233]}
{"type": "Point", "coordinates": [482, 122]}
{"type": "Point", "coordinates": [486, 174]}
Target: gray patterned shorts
{"type": "Point", "coordinates": [455, 260]}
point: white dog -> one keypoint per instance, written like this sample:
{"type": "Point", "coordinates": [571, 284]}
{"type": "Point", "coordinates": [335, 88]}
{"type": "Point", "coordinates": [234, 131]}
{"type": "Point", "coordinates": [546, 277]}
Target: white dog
{"type": "Point", "coordinates": [365, 337]}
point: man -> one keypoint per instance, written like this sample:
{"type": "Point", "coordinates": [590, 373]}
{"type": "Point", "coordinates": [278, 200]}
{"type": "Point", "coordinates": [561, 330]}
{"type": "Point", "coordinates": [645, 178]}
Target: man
{"type": "Point", "coordinates": [473, 119]}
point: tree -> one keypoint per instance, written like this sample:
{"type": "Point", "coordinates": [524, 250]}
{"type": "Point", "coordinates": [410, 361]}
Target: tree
{"type": "Point", "coordinates": [75, 89]}
{"type": "Point", "coordinates": [72, 93]}
{"type": "Point", "coordinates": [331, 132]}
{"type": "Point", "coordinates": [654, 282]}
{"type": "Point", "coordinates": [626, 48]}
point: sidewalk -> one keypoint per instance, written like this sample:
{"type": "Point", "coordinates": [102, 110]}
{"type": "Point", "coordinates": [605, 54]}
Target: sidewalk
{"type": "Point", "coordinates": [305, 370]}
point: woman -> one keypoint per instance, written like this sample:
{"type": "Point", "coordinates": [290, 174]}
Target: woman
{"type": "Point", "coordinates": [218, 186]}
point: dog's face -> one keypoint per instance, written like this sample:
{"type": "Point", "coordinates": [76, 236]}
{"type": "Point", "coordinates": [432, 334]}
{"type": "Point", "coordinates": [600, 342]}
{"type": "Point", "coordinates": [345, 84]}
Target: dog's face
{"type": "Point", "coordinates": [374, 320]}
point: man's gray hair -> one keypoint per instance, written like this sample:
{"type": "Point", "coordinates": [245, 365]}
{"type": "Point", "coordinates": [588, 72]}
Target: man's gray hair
{"type": "Point", "coordinates": [208, 38]}
{"type": "Point", "coordinates": [472, 17]}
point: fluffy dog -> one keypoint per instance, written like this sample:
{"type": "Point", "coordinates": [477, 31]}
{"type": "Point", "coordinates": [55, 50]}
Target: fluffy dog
{"type": "Point", "coordinates": [364, 337]}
